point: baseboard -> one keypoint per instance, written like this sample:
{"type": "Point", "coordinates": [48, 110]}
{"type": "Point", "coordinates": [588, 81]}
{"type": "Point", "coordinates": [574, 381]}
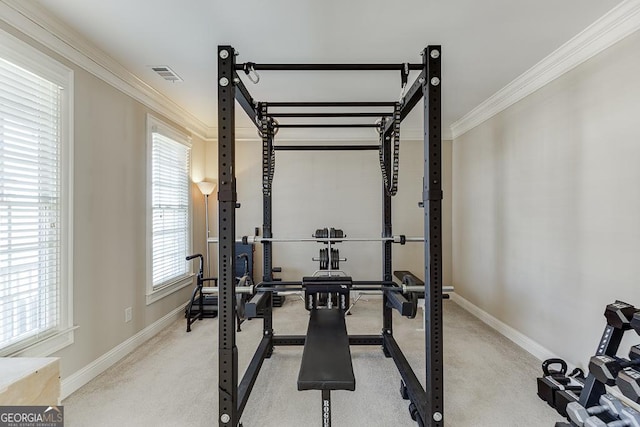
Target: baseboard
{"type": "Point", "coordinates": [525, 342]}
{"type": "Point", "coordinates": [98, 366]}
{"type": "Point", "coordinates": [517, 337]}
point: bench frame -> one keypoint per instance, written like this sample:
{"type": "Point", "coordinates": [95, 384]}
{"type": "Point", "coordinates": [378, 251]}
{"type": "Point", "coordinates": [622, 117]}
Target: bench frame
{"type": "Point", "coordinates": [233, 395]}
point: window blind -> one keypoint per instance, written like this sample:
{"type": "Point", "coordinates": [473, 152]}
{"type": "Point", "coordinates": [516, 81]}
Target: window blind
{"type": "Point", "coordinates": [30, 205]}
{"type": "Point", "coordinates": [171, 231]}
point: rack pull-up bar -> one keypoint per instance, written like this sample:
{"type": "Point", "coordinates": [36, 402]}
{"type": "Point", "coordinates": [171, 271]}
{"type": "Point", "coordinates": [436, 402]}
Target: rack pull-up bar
{"type": "Point", "coordinates": [332, 104]}
{"type": "Point", "coordinates": [326, 67]}
{"type": "Point", "coordinates": [345, 114]}
{"type": "Point", "coordinates": [326, 147]}
{"type": "Point", "coordinates": [327, 125]}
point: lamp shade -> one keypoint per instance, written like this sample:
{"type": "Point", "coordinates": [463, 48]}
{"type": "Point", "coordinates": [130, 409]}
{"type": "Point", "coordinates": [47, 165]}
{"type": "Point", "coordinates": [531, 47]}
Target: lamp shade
{"type": "Point", "coordinates": [206, 187]}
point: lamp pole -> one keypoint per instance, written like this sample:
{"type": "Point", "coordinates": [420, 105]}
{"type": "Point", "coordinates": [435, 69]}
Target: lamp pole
{"type": "Point", "coordinates": [206, 221]}
{"type": "Point", "coordinates": [206, 188]}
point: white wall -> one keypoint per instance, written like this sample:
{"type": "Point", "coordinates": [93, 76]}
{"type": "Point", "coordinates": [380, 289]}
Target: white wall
{"type": "Point", "coordinates": [546, 207]}
{"type": "Point", "coordinates": [333, 189]}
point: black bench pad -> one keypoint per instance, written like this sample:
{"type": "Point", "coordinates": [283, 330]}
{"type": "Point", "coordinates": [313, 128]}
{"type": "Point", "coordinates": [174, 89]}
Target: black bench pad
{"type": "Point", "coordinates": [408, 278]}
{"type": "Point", "coordinates": [326, 359]}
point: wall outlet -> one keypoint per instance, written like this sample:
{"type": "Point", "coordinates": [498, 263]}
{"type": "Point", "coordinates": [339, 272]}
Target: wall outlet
{"type": "Point", "coordinates": [127, 314]}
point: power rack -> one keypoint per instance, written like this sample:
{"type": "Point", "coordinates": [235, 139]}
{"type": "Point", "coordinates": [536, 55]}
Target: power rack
{"type": "Point", "coordinates": [233, 395]}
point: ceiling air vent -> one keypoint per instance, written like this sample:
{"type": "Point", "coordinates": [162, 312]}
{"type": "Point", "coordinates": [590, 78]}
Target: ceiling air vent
{"type": "Point", "coordinates": [166, 73]}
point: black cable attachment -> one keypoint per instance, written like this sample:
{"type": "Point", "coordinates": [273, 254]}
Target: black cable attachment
{"type": "Point", "coordinates": [396, 149]}
{"type": "Point", "coordinates": [249, 69]}
{"type": "Point", "coordinates": [404, 74]}
{"type": "Point", "coordinates": [268, 153]}
{"type": "Point", "coordinates": [391, 183]}
{"type": "Point", "coordinates": [404, 78]}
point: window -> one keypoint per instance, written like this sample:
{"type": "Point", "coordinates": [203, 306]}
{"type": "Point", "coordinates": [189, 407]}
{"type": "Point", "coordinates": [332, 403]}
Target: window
{"type": "Point", "coordinates": [170, 210]}
{"type": "Point", "coordinates": [35, 201]}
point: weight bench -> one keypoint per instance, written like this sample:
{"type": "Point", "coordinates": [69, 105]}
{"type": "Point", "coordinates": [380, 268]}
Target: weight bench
{"type": "Point", "coordinates": [326, 359]}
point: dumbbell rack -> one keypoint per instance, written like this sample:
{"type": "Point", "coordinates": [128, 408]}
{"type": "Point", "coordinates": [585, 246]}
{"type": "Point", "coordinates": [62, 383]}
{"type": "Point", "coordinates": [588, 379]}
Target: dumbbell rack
{"type": "Point", "coordinates": [619, 317]}
{"type": "Point", "coordinates": [608, 345]}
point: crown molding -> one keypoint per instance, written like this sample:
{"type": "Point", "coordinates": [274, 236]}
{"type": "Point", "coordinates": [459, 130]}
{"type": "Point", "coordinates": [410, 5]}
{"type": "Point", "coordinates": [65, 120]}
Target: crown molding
{"type": "Point", "coordinates": [35, 22]}
{"type": "Point", "coordinates": [617, 24]}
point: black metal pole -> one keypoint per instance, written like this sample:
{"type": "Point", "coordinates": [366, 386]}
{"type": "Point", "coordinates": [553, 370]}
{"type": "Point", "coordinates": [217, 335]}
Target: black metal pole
{"type": "Point", "coordinates": [432, 202]}
{"type": "Point", "coordinates": [345, 114]}
{"type": "Point", "coordinates": [327, 125]}
{"type": "Point", "coordinates": [333, 104]}
{"type": "Point", "coordinates": [609, 344]}
{"type": "Point", "coordinates": [387, 231]}
{"type": "Point", "coordinates": [326, 408]}
{"type": "Point", "coordinates": [326, 147]}
{"type": "Point", "coordinates": [251, 374]}
{"type": "Point", "coordinates": [245, 100]}
{"type": "Point", "coordinates": [227, 198]}
{"type": "Point", "coordinates": [267, 250]}
{"type": "Point", "coordinates": [327, 67]}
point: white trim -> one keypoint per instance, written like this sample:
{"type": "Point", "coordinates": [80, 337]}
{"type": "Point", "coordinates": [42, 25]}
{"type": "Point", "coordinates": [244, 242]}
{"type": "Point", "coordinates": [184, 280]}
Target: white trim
{"type": "Point", "coordinates": [81, 377]}
{"type": "Point", "coordinates": [517, 337]}
{"type": "Point", "coordinates": [617, 24]}
{"type": "Point", "coordinates": [47, 346]}
{"type": "Point", "coordinates": [28, 57]}
{"type": "Point", "coordinates": [68, 156]}
{"type": "Point", "coordinates": [34, 61]}
{"type": "Point", "coordinates": [161, 292]}
{"type": "Point", "coordinates": [155, 125]}
{"type": "Point", "coordinates": [34, 21]}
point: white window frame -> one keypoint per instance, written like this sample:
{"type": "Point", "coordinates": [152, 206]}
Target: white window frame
{"type": "Point", "coordinates": [155, 125]}
{"type": "Point", "coordinates": [26, 56]}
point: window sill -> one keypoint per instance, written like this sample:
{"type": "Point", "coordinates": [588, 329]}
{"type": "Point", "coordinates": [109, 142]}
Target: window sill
{"type": "Point", "coordinates": [166, 290]}
{"type": "Point", "coordinates": [46, 346]}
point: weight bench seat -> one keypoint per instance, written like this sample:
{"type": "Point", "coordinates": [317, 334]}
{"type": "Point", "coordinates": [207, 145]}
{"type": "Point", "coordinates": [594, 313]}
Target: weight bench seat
{"type": "Point", "coordinates": [326, 359]}
{"type": "Point", "coordinates": [408, 278]}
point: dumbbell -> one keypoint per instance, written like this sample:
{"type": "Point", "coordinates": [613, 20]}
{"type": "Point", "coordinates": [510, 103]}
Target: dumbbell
{"type": "Point", "coordinates": [628, 418]}
{"type": "Point", "coordinates": [605, 368]}
{"type": "Point", "coordinates": [578, 414]}
{"type": "Point", "coordinates": [628, 382]}
{"type": "Point", "coordinates": [635, 322]}
{"type": "Point", "coordinates": [620, 314]}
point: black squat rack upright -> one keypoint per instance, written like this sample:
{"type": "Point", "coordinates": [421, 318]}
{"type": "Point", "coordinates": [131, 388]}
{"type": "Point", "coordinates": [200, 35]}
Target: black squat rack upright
{"type": "Point", "coordinates": [233, 395]}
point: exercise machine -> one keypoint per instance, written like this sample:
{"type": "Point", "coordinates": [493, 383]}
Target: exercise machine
{"type": "Point", "coordinates": [203, 303]}
{"type": "Point", "coordinates": [427, 404]}
{"type": "Point", "coordinates": [204, 299]}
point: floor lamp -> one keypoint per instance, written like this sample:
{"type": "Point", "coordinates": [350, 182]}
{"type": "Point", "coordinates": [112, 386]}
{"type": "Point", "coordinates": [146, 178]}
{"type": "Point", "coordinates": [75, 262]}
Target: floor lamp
{"type": "Point", "coordinates": [206, 188]}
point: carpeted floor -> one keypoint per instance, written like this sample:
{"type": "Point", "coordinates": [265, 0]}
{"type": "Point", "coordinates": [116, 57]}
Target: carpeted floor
{"type": "Point", "coordinates": [171, 380]}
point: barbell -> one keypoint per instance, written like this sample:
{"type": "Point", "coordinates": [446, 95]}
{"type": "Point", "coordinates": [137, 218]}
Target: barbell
{"type": "Point", "coordinates": [251, 289]}
{"type": "Point", "coordinates": [402, 239]}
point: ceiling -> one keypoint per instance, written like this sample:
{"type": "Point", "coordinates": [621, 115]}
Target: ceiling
{"type": "Point", "coordinates": [485, 44]}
